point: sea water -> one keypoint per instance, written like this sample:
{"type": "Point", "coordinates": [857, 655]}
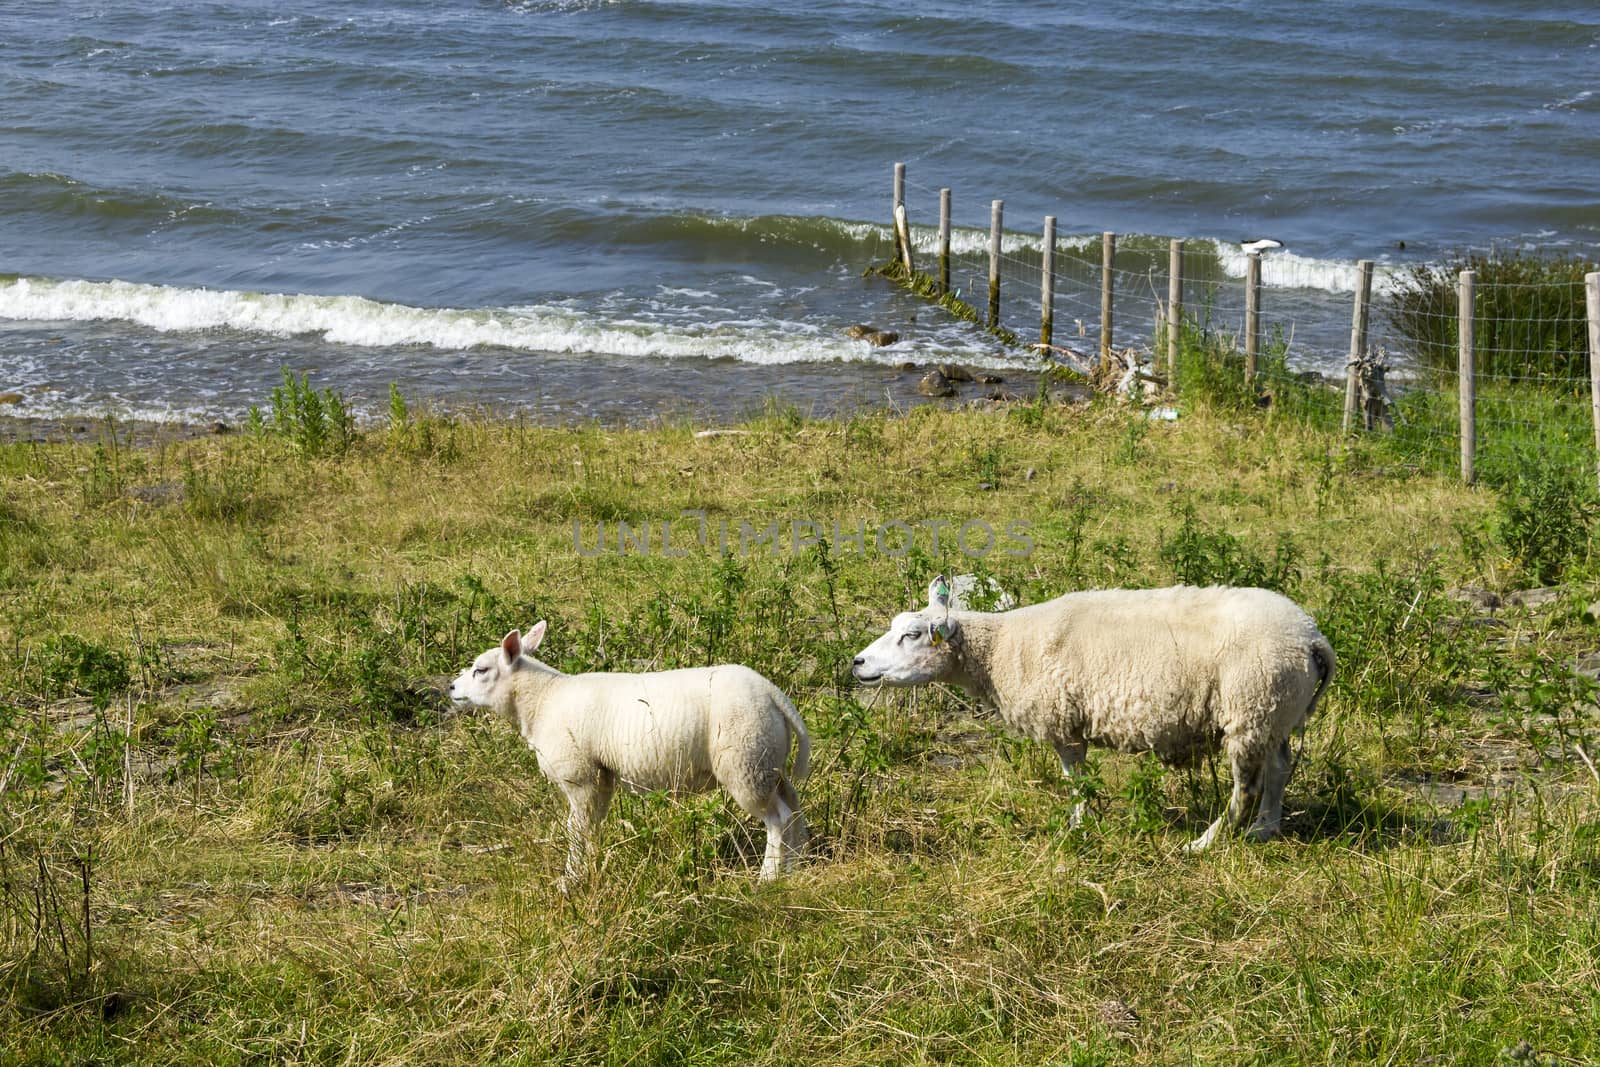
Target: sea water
{"type": "Point", "coordinates": [573, 210]}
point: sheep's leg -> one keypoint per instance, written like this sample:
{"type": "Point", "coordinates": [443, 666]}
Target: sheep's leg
{"type": "Point", "coordinates": [1236, 803]}
{"type": "Point", "coordinates": [1274, 777]}
{"type": "Point", "coordinates": [587, 803]}
{"type": "Point", "coordinates": [777, 817]}
{"type": "Point", "coordinates": [1246, 783]}
{"type": "Point", "coordinates": [1071, 754]}
{"type": "Point", "coordinates": [778, 808]}
{"type": "Point", "coordinates": [795, 834]}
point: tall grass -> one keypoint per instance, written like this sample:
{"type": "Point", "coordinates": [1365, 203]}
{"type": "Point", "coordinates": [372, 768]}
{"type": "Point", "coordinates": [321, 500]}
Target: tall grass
{"type": "Point", "coordinates": [1529, 321]}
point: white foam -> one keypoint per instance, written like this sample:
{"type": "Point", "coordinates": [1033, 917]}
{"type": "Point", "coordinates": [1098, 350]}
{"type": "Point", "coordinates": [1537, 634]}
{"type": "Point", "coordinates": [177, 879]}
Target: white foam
{"type": "Point", "coordinates": [964, 240]}
{"type": "Point", "coordinates": [972, 241]}
{"type": "Point", "coordinates": [1286, 270]}
{"type": "Point", "coordinates": [1571, 102]}
{"type": "Point", "coordinates": [361, 322]}
{"type": "Point", "coordinates": [1279, 269]}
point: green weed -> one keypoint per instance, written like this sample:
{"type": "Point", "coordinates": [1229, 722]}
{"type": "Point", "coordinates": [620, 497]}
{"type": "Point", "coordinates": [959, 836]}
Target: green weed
{"type": "Point", "coordinates": [1199, 556]}
{"type": "Point", "coordinates": [1546, 513]}
{"type": "Point", "coordinates": [315, 423]}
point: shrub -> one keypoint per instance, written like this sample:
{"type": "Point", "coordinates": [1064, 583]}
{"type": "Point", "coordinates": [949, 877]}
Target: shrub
{"type": "Point", "coordinates": [1545, 514]}
{"type": "Point", "coordinates": [419, 436]}
{"type": "Point", "coordinates": [1529, 319]}
{"type": "Point", "coordinates": [1210, 371]}
{"type": "Point", "coordinates": [1210, 367]}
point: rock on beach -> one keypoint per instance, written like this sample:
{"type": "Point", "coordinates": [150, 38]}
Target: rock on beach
{"type": "Point", "coordinates": [934, 383]}
{"type": "Point", "coordinates": [872, 335]}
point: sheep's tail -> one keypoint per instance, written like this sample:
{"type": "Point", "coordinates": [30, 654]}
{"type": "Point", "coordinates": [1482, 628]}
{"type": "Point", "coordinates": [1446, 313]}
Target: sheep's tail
{"type": "Point", "coordinates": [802, 748]}
{"type": "Point", "coordinates": [1322, 656]}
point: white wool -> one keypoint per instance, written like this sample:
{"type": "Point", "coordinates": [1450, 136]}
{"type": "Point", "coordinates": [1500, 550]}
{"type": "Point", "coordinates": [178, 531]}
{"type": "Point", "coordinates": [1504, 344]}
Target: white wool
{"type": "Point", "coordinates": [1178, 672]}
{"type": "Point", "coordinates": [688, 730]}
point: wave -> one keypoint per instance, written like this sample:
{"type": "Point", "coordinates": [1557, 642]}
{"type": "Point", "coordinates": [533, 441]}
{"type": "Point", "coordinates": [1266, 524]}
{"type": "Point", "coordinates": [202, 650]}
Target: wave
{"type": "Point", "coordinates": [62, 195]}
{"type": "Point", "coordinates": [860, 242]}
{"type": "Point", "coordinates": [533, 223]}
{"type": "Point", "coordinates": [658, 330]}
{"type": "Point", "coordinates": [1283, 269]}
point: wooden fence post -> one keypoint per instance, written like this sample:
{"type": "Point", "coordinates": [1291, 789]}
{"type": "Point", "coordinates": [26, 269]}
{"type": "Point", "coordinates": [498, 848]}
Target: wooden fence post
{"type": "Point", "coordinates": [944, 241]}
{"type": "Point", "coordinates": [1591, 285]}
{"type": "Point", "coordinates": [1047, 282]}
{"type": "Point", "coordinates": [1467, 383]}
{"type": "Point", "coordinates": [1174, 309]}
{"type": "Point", "coordinates": [902, 230]}
{"type": "Point", "coordinates": [1358, 342]}
{"type": "Point", "coordinates": [1252, 314]}
{"type": "Point", "coordinates": [996, 213]}
{"type": "Point", "coordinates": [1108, 255]}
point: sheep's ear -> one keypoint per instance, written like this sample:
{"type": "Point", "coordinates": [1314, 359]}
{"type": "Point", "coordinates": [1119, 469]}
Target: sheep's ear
{"type": "Point", "coordinates": [511, 646]}
{"type": "Point", "coordinates": [535, 635]}
{"type": "Point", "coordinates": [939, 593]}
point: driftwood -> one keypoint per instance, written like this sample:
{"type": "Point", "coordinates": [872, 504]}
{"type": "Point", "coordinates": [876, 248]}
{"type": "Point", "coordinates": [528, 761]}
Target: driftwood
{"type": "Point", "coordinates": [1126, 374]}
{"type": "Point", "coordinates": [1120, 373]}
{"type": "Point", "coordinates": [1079, 361]}
{"type": "Point", "coordinates": [1373, 400]}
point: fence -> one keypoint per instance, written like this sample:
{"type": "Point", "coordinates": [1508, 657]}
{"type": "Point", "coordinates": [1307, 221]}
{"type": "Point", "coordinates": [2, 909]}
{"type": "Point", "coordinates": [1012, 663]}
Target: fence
{"type": "Point", "coordinates": [1498, 374]}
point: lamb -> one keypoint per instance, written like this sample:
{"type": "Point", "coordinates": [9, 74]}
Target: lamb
{"type": "Point", "coordinates": [685, 730]}
{"type": "Point", "coordinates": [1179, 672]}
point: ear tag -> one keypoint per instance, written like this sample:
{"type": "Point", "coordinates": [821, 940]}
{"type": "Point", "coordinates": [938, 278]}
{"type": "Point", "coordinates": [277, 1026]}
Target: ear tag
{"type": "Point", "coordinates": [936, 634]}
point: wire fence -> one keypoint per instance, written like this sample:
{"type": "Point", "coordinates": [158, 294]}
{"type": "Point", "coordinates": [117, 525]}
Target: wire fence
{"type": "Point", "coordinates": [1529, 382]}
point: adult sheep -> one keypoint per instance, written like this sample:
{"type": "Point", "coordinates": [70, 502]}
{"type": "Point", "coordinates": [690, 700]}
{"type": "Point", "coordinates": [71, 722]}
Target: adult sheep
{"type": "Point", "coordinates": [1178, 672]}
{"type": "Point", "coordinates": [689, 730]}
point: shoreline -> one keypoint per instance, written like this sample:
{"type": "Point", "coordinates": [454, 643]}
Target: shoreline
{"type": "Point", "coordinates": [42, 430]}
{"type": "Point", "coordinates": [899, 393]}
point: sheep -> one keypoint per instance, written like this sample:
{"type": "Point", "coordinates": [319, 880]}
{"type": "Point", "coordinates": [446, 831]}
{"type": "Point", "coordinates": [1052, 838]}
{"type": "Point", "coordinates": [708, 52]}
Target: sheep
{"type": "Point", "coordinates": [1178, 672]}
{"type": "Point", "coordinates": [686, 730]}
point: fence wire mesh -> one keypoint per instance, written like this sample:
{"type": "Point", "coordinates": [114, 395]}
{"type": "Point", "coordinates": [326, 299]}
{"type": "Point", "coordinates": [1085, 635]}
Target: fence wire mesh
{"type": "Point", "coordinates": [1531, 358]}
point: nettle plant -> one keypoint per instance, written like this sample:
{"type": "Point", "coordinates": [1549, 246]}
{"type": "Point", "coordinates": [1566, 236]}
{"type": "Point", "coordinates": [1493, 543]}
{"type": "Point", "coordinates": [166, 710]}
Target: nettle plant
{"type": "Point", "coordinates": [1545, 514]}
{"type": "Point", "coordinates": [72, 666]}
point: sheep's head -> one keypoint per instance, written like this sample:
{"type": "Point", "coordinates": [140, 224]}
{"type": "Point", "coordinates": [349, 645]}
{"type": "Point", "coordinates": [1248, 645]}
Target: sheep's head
{"type": "Point", "coordinates": [483, 682]}
{"type": "Point", "coordinates": [917, 648]}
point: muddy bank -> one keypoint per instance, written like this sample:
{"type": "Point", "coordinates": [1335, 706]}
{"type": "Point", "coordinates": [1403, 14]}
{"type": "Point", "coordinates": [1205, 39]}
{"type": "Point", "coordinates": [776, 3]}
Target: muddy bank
{"type": "Point", "coordinates": [20, 430]}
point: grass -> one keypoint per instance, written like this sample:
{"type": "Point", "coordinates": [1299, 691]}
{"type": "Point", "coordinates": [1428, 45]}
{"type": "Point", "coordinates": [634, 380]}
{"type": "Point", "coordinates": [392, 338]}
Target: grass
{"type": "Point", "coordinates": [238, 824]}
